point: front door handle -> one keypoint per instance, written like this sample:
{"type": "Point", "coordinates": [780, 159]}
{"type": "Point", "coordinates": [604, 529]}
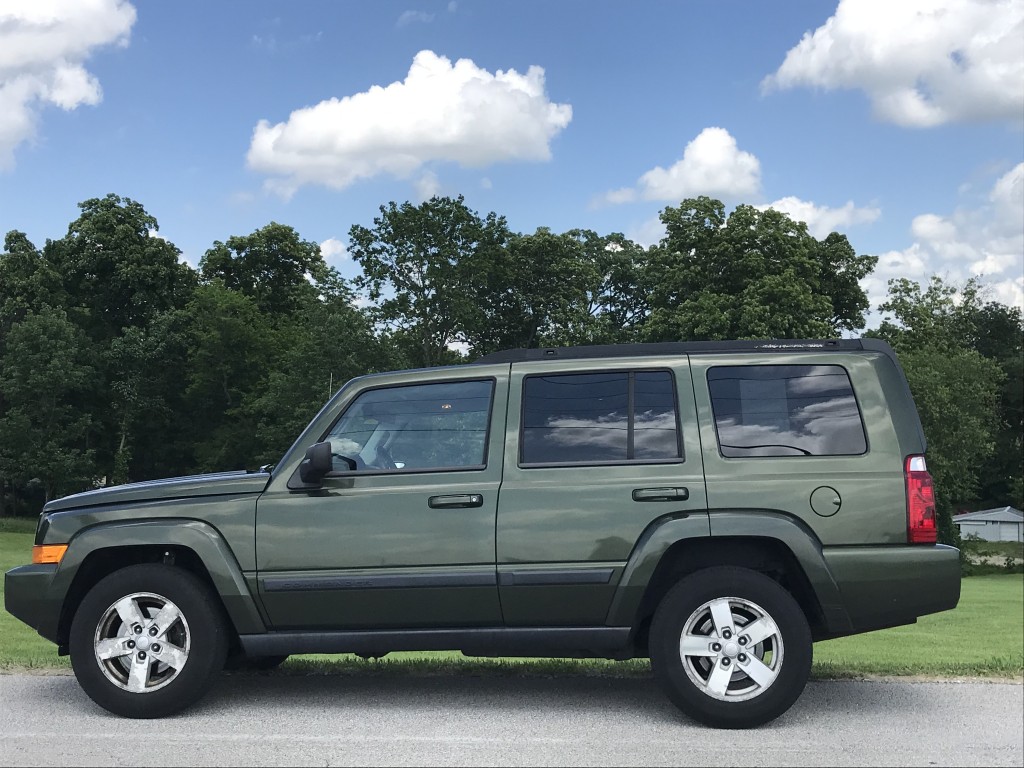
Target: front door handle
{"type": "Point", "coordinates": [456, 501]}
{"type": "Point", "coordinates": [660, 494]}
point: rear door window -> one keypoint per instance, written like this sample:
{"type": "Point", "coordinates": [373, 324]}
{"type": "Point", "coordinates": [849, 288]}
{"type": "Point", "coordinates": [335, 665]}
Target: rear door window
{"type": "Point", "coordinates": [599, 418]}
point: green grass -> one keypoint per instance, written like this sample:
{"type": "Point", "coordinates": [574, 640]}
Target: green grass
{"type": "Point", "coordinates": [20, 646]}
{"type": "Point", "coordinates": [1013, 549]}
{"type": "Point", "coordinates": [983, 637]}
{"type": "Point", "coordinates": [18, 525]}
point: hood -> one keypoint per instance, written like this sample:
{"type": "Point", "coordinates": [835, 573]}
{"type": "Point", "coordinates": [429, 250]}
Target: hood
{"type": "Point", "coordinates": [172, 488]}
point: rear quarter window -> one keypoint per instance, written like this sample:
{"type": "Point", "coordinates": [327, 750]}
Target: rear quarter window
{"type": "Point", "coordinates": [785, 410]}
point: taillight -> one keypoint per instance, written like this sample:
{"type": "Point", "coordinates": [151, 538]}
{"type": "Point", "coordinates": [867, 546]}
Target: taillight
{"type": "Point", "coordinates": [921, 527]}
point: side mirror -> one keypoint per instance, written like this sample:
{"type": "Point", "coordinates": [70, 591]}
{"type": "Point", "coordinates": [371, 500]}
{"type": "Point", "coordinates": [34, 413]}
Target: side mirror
{"type": "Point", "coordinates": [316, 464]}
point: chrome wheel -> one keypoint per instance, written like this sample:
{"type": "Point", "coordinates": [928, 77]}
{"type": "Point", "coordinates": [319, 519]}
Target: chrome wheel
{"type": "Point", "coordinates": [142, 642]}
{"type": "Point", "coordinates": [731, 649]}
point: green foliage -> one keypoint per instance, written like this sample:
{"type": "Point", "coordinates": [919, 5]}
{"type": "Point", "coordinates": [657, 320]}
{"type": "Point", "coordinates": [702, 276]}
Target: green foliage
{"type": "Point", "coordinates": [230, 346]}
{"type": "Point", "coordinates": [327, 342]}
{"type": "Point", "coordinates": [419, 263]}
{"type": "Point", "coordinates": [959, 355]}
{"type": "Point", "coordinates": [119, 362]}
{"type": "Point", "coordinates": [44, 431]}
{"type": "Point", "coordinates": [533, 292]}
{"type": "Point", "coordinates": [273, 266]}
{"type": "Point", "coordinates": [116, 273]}
{"type": "Point", "coordinates": [751, 274]}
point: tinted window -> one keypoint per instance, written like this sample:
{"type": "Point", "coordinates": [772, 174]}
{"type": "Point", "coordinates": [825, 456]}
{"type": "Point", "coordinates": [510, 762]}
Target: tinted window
{"type": "Point", "coordinates": [599, 417]}
{"type": "Point", "coordinates": [785, 410]}
{"type": "Point", "coordinates": [428, 426]}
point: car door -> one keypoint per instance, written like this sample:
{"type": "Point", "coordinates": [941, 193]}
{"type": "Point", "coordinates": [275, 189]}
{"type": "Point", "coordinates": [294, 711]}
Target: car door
{"type": "Point", "coordinates": [401, 534]}
{"type": "Point", "coordinates": [596, 451]}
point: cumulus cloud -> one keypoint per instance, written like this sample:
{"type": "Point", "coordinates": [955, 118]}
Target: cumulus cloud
{"type": "Point", "coordinates": [441, 112]}
{"type": "Point", "coordinates": [921, 62]}
{"type": "Point", "coordinates": [986, 241]}
{"type": "Point", "coordinates": [44, 45]}
{"type": "Point", "coordinates": [822, 220]}
{"type": "Point", "coordinates": [712, 164]}
{"type": "Point", "coordinates": [333, 250]}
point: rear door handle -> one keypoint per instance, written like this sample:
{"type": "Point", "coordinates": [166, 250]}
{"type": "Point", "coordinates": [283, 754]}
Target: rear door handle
{"type": "Point", "coordinates": [660, 494]}
{"type": "Point", "coordinates": [456, 501]}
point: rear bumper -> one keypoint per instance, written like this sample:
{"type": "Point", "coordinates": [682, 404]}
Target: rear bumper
{"type": "Point", "coordinates": [889, 586]}
{"type": "Point", "coordinates": [26, 597]}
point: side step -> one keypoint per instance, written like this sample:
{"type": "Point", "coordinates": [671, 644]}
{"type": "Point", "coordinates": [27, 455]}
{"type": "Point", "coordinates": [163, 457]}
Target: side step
{"type": "Point", "coordinates": [558, 642]}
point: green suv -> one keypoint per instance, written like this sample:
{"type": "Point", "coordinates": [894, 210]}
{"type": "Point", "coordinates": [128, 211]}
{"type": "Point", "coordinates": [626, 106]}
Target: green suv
{"type": "Point", "coordinates": [714, 506]}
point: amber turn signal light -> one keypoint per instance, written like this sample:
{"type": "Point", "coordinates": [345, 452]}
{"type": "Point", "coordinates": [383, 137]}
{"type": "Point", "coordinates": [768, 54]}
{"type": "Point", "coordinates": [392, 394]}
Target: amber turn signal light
{"type": "Point", "coordinates": [48, 553]}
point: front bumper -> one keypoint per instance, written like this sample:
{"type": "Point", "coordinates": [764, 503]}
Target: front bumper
{"type": "Point", "coordinates": [26, 597]}
{"type": "Point", "coordinates": [890, 586]}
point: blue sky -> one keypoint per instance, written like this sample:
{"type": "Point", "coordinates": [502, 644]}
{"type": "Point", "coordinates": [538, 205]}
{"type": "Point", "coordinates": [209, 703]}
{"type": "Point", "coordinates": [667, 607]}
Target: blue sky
{"type": "Point", "coordinates": [898, 124]}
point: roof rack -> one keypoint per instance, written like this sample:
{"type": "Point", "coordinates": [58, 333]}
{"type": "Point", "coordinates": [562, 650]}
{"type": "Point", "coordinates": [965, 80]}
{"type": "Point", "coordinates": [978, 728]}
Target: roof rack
{"type": "Point", "coordinates": [668, 348]}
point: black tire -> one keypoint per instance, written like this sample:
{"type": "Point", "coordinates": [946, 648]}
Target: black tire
{"type": "Point", "coordinates": [173, 675]}
{"type": "Point", "coordinates": [713, 687]}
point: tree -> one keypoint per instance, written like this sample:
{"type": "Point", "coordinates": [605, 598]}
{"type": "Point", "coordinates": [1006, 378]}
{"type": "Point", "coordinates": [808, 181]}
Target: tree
{"type": "Point", "coordinates": [419, 264]}
{"type": "Point", "coordinates": [536, 291]}
{"type": "Point", "coordinates": [327, 341]}
{"type": "Point", "coordinates": [955, 387]}
{"type": "Point", "coordinates": [44, 430]}
{"type": "Point", "coordinates": [231, 345]}
{"type": "Point", "coordinates": [116, 272]}
{"type": "Point", "coordinates": [1000, 338]}
{"type": "Point", "coordinates": [752, 274]}
{"type": "Point", "coordinates": [947, 317]}
{"type": "Point", "coordinates": [273, 266]}
{"type": "Point", "coordinates": [27, 281]}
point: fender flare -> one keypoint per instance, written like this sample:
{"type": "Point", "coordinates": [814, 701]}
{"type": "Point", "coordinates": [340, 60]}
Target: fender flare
{"type": "Point", "coordinates": [643, 560]}
{"type": "Point", "coordinates": [749, 524]}
{"type": "Point", "coordinates": [201, 538]}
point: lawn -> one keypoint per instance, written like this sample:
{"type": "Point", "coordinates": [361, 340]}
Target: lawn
{"type": "Point", "coordinates": [984, 637]}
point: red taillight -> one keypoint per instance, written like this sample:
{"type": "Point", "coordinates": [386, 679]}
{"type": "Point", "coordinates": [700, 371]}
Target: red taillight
{"type": "Point", "coordinates": [921, 528]}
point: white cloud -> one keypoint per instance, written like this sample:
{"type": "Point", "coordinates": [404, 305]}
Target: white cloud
{"type": "Point", "coordinates": [921, 62]}
{"type": "Point", "coordinates": [822, 220]}
{"type": "Point", "coordinates": [427, 185]}
{"type": "Point", "coordinates": [333, 250]}
{"type": "Point", "coordinates": [414, 17]}
{"type": "Point", "coordinates": [441, 112]}
{"type": "Point", "coordinates": [985, 241]}
{"type": "Point", "coordinates": [712, 164]}
{"type": "Point", "coordinates": [43, 48]}
{"type": "Point", "coordinates": [485, 183]}
{"type": "Point", "coordinates": [648, 232]}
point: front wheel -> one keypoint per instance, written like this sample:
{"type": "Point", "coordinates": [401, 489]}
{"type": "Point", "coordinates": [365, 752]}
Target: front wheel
{"type": "Point", "coordinates": [147, 641]}
{"type": "Point", "coordinates": [730, 647]}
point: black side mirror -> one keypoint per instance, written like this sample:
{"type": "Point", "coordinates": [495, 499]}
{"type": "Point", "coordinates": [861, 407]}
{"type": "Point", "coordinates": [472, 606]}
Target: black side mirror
{"type": "Point", "coordinates": [316, 464]}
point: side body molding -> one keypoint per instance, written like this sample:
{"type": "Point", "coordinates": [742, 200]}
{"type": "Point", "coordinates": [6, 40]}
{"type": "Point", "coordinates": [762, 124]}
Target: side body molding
{"type": "Point", "coordinates": [201, 538]}
{"type": "Point", "coordinates": [649, 549]}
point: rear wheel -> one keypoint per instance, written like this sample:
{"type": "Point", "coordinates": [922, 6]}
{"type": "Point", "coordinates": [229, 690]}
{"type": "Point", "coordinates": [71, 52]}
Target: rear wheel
{"type": "Point", "coordinates": [730, 647]}
{"type": "Point", "coordinates": [147, 641]}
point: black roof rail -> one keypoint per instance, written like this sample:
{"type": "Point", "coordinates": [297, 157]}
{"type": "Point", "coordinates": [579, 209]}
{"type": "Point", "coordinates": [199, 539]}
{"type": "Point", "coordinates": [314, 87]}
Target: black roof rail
{"type": "Point", "coordinates": [668, 348]}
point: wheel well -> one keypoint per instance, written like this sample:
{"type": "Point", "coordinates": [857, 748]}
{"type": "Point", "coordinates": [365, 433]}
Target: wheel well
{"type": "Point", "coordinates": [768, 556]}
{"type": "Point", "coordinates": [103, 562]}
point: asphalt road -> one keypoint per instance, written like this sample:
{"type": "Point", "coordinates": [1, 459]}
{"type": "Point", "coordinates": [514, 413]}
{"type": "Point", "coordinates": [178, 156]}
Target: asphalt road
{"type": "Point", "coordinates": [325, 720]}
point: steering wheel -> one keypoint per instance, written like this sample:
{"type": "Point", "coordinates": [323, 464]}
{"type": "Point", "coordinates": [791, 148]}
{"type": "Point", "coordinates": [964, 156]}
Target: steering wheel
{"type": "Point", "coordinates": [384, 460]}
